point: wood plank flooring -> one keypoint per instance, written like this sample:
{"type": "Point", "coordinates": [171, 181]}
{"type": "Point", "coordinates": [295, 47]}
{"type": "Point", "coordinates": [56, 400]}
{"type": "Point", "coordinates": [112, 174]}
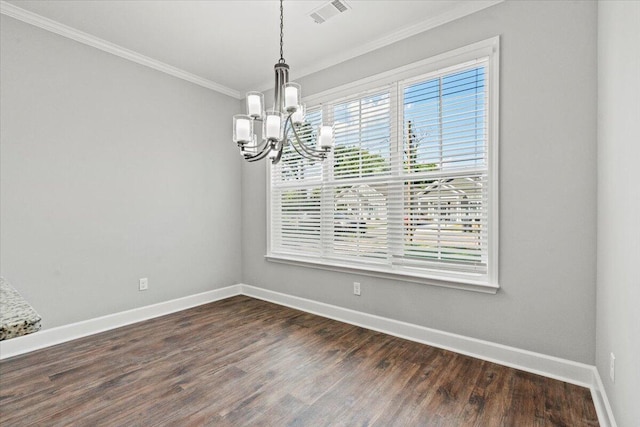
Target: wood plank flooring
{"type": "Point", "coordinates": [243, 361]}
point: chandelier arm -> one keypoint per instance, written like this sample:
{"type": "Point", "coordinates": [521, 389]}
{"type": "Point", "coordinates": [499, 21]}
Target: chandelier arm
{"type": "Point", "coordinates": [288, 125]}
{"type": "Point", "coordinates": [308, 154]}
{"type": "Point", "coordinates": [260, 148]}
{"type": "Point", "coordinates": [265, 144]}
{"type": "Point", "coordinates": [305, 154]}
{"type": "Point", "coordinates": [257, 157]}
{"type": "Point", "coordinates": [310, 150]}
{"type": "Point", "coordinates": [260, 152]}
{"type": "Point", "coordinates": [276, 159]}
{"type": "Point", "coordinates": [305, 147]}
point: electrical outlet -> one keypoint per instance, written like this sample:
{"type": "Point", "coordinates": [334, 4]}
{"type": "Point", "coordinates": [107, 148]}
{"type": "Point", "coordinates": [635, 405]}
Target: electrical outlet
{"type": "Point", "coordinates": [612, 367]}
{"type": "Point", "coordinates": [356, 288]}
{"type": "Point", "coordinates": [143, 284]}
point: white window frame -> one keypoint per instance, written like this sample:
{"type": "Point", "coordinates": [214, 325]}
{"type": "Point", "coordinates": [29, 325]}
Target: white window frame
{"type": "Point", "coordinates": [490, 49]}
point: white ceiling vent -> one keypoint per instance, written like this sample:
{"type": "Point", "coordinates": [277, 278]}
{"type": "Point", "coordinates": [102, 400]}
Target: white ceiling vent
{"type": "Point", "coordinates": [329, 10]}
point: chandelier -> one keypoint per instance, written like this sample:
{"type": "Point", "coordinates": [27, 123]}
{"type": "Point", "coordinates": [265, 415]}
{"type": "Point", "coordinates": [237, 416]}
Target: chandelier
{"type": "Point", "coordinates": [283, 124]}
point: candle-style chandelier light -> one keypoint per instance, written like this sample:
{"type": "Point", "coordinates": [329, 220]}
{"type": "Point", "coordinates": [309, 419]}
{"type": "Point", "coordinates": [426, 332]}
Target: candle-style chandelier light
{"type": "Point", "coordinates": [282, 125]}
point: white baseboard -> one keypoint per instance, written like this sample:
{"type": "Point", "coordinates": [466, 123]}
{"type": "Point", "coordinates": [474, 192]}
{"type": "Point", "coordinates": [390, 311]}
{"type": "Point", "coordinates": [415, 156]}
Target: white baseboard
{"type": "Point", "coordinates": [601, 402]}
{"type": "Point", "coordinates": [549, 366]}
{"type": "Point", "coordinates": [53, 336]}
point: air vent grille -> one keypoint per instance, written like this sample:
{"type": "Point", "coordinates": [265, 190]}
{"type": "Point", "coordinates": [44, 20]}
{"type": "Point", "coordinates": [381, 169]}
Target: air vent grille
{"type": "Point", "coordinates": [319, 19]}
{"type": "Point", "coordinates": [329, 10]}
{"type": "Point", "coordinates": [339, 5]}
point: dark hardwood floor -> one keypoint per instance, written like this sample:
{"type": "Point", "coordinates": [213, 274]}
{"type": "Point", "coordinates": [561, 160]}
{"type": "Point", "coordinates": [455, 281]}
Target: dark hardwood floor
{"type": "Point", "coordinates": [242, 361]}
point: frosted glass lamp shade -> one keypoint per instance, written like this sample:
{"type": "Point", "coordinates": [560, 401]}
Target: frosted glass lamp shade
{"type": "Point", "coordinates": [242, 129]}
{"type": "Point", "coordinates": [298, 117]}
{"type": "Point", "coordinates": [255, 104]}
{"type": "Point", "coordinates": [325, 137]}
{"type": "Point", "coordinates": [272, 128]}
{"type": "Point", "coordinates": [291, 96]}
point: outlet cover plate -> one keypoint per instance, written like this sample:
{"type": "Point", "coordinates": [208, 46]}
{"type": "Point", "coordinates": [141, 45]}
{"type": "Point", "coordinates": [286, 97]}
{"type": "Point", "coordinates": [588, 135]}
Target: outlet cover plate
{"type": "Point", "coordinates": [356, 288]}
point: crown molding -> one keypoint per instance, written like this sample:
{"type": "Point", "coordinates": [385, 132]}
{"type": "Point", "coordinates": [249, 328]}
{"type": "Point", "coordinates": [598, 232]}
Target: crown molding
{"type": "Point", "coordinates": [463, 9]}
{"type": "Point", "coordinates": [98, 43]}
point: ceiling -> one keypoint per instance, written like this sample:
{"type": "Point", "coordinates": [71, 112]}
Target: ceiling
{"type": "Point", "coordinates": [235, 43]}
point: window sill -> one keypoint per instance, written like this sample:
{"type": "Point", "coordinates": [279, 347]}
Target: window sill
{"type": "Point", "coordinates": [464, 284]}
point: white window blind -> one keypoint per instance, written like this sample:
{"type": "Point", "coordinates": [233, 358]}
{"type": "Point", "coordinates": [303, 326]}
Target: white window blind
{"type": "Point", "coordinates": [406, 189]}
{"type": "Point", "coordinates": [445, 169]}
{"type": "Point", "coordinates": [296, 196]}
{"type": "Point", "coordinates": [356, 189]}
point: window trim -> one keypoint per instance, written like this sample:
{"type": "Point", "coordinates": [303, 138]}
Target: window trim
{"type": "Point", "coordinates": [458, 57]}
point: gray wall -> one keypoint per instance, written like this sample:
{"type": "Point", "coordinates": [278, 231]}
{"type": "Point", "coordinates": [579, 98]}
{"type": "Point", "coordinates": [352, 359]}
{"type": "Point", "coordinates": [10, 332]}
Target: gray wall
{"type": "Point", "coordinates": [618, 313]}
{"type": "Point", "coordinates": [547, 179]}
{"type": "Point", "coordinates": [110, 172]}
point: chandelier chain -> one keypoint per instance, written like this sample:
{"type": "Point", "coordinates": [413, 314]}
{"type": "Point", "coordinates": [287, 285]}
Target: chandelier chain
{"type": "Point", "coordinates": [281, 61]}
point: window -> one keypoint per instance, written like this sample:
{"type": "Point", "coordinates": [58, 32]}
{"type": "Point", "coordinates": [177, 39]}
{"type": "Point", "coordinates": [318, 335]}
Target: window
{"type": "Point", "coordinates": [410, 189]}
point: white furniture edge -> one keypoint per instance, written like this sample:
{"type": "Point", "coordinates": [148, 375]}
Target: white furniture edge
{"type": "Point", "coordinates": [549, 366]}
{"type": "Point", "coordinates": [106, 46]}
